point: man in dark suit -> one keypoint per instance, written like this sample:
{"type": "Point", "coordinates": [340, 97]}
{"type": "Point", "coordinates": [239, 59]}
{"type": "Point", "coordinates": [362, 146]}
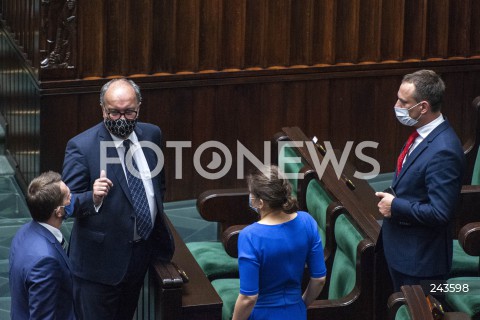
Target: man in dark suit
{"type": "Point", "coordinates": [417, 225]}
{"type": "Point", "coordinates": [120, 227]}
{"type": "Point", "coordinates": [41, 283]}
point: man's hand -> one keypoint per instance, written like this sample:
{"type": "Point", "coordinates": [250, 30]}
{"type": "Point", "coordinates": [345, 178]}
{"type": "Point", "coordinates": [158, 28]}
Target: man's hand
{"type": "Point", "coordinates": [101, 186]}
{"type": "Point", "coordinates": [385, 204]}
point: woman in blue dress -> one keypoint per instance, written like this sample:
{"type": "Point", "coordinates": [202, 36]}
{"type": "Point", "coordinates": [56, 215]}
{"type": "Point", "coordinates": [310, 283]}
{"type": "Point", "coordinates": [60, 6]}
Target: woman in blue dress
{"type": "Point", "coordinates": [273, 251]}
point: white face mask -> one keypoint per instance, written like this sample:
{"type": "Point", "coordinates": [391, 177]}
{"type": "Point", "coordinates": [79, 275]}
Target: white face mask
{"type": "Point", "coordinates": [404, 117]}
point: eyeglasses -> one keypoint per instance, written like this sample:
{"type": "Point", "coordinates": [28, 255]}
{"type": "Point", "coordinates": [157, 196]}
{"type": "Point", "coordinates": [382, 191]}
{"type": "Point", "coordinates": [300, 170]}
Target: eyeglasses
{"type": "Point", "coordinates": [129, 114]}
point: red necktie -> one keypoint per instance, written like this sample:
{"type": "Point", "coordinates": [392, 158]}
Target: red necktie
{"type": "Point", "coordinates": [402, 155]}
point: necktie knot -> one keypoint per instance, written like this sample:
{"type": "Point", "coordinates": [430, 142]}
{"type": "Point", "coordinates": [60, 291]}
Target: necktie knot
{"type": "Point", "coordinates": [406, 149]}
{"type": "Point", "coordinates": [126, 144]}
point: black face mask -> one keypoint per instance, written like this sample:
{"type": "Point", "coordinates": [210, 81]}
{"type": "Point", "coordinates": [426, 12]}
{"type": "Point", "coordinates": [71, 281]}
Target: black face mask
{"type": "Point", "coordinates": [120, 127]}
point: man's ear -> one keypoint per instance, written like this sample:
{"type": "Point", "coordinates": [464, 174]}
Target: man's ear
{"type": "Point", "coordinates": [260, 202]}
{"type": "Point", "coordinates": [425, 106]}
{"type": "Point", "coordinates": [58, 212]}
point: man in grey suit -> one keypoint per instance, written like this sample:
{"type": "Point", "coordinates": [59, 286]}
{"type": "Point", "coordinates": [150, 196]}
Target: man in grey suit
{"type": "Point", "coordinates": [120, 227]}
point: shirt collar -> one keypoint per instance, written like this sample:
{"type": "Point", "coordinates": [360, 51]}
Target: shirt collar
{"type": "Point", "coordinates": [119, 141]}
{"type": "Point", "coordinates": [425, 130]}
{"type": "Point", "coordinates": [57, 233]}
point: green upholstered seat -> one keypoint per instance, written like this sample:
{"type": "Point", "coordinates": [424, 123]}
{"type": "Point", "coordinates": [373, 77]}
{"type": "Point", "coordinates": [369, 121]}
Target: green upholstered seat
{"type": "Point", "coordinates": [463, 265]}
{"type": "Point", "coordinates": [317, 201]}
{"type": "Point", "coordinates": [213, 259]}
{"type": "Point", "coordinates": [468, 303]}
{"type": "Point", "coordinates": [402, 313]}
{"type": "Point", "coordinates": [228, 290]}
{"type": "Point", "coordinates": [343, 273]}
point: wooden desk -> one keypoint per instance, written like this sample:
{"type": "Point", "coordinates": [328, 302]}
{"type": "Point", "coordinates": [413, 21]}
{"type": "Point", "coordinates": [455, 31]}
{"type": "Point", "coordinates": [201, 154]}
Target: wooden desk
{"type": "Point", "coordinates": [199, 300]}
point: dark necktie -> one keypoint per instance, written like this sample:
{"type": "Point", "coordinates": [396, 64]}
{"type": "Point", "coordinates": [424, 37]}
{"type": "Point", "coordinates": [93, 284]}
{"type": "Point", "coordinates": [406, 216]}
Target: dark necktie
{"type": "Point", "coordinates": [139, 196]}
{"type": "Point", "coordinates": [405, 150]}
{"type": "Point", "coordinates": [64, 244]}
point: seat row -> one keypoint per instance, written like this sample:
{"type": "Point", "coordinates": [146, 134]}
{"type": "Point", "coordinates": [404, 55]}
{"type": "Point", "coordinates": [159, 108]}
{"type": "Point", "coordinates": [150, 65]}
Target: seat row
{"type": "Point", "coordinates": [342, 207]}
{"type": "Point", "coordinates": [344, 196]}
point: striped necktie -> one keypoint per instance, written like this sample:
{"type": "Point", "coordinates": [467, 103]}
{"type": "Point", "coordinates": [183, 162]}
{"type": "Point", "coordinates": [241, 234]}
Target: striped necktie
{"type": "Point", "coordinates": [138, 194]}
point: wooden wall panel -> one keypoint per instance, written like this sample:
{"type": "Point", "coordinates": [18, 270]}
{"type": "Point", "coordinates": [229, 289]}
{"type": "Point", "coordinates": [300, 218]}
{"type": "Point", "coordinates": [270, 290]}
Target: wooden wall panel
{"type": "Point", "coordinates": [324, 28]}
{"type": "Point", "coordinates": [475, 31]}
{"type": "Point", "coordinates": [233, 36]}
{"type": "Point", "coordinates": [335, 106]}
{"type": "Point", "coordinates": [168, 37]}
{"type": "Point", "coordinates": [459, 28]}
{"type": "Point", "coordinates": [91, 39]}
{"type": "Point", "coordinates": [415, 34]}
{"type": "Point", "coordinates": [369, 30]}
{"type": "Point", "coordinates": [116, 45]}
{"type": "Point", "coordinates": [140, 18]}
{"type": "Point", "coordinates": [277, 33]}
{"type": "Point", "coordinates": [164, 33]}
{"type": "Point", "coordinates": [238, 70]}
{"type": "Point", "coordinates": [437, 28]}
{"type": "Point", "coordinates": [347, 32]}
{"type": "Point", "coordinates": [255, 29]}
{"type": "Point", "coordinates": [187, 36]}
{"type": "Point", "coordinates": [301, 32]}
{"type": "Point", "coordinates": [210, 40]}
{"type": "Point", "coordinates": [393, 23]}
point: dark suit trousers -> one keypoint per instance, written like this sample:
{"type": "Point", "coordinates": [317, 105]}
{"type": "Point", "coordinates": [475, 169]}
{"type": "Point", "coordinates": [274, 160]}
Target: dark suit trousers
{"type": "Point", "coordinates": [99, 301]}
{"type": "Point", "coordinates": [400, 279]}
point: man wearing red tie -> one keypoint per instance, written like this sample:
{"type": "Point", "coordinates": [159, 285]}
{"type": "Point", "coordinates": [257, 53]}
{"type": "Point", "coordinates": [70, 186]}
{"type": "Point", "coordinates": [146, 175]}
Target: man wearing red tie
{"type": "Point", "coordinates": [416, 230]}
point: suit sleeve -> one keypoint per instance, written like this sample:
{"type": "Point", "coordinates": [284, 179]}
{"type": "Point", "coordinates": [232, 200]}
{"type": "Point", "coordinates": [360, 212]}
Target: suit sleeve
{"type": "Point", "coordinates": [76, 175]}
{"type": "Point", "coordinates": [43, 283]}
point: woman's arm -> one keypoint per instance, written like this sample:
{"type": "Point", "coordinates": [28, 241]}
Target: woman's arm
{"type": "Point", "coordinates": [315, 286]}
{"type": "Point", "coordinates": [244, 306]}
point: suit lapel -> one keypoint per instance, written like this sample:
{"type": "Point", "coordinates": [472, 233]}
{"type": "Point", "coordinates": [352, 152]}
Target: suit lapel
{"type": "Point", "coordinates": [51, 238]}
{"type": "Point", "coordinates": [420, 149]}
{"type": "Point", "coordinates": [114, 169]}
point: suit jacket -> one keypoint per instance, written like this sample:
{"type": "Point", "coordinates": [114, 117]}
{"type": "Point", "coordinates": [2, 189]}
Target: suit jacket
{"type": "Point", "coordinates": [417, 239]}
{"type": "Point", "coordinates": [100, 245]}
{"type": "Point", "coordinates": [40, 281]}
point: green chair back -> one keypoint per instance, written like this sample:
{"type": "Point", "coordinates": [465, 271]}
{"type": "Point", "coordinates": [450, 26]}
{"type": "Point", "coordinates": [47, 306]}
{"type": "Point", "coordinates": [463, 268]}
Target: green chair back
{"type": "Point", "coordinates": [343, 273]}
{"type": "Point", "coordinates": [317, 202]}
{"type": "Point", "coordinates": [287, 158]}
{"type": "Point", "coordinates": [465, 302]}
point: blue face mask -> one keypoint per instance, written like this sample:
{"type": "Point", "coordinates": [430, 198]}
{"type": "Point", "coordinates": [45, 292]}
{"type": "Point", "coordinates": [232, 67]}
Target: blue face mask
{"type": "Point", "coordinates": [251, 205]}
{"type": "Point", "coordinates": [70, 208]}
{"type": "Point", "coordinates": [404, 117]}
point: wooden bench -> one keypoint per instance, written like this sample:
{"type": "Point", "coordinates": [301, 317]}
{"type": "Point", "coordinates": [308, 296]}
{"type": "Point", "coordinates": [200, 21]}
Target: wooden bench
{"type": "Point", "coordinates": [411, 304]}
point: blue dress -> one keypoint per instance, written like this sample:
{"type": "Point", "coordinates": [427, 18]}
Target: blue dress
{"type": "Point", "coordinates": [271, 262]}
